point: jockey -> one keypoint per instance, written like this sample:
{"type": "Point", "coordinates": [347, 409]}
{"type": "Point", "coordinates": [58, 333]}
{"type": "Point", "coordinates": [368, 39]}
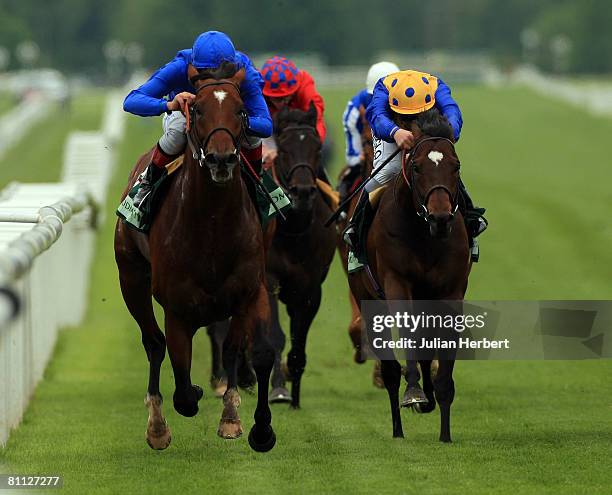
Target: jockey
{"type": "Point", "coordinates": [285, 85]}
{"type": "Point", "coordinates": [209, 51]}
{"type": "Point", "coordinates": [409, 93]}
{"type": "Point", "coordinates": [353, 126]}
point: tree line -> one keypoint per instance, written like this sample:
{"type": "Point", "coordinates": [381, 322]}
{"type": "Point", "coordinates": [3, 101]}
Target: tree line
{"type": "Point", "coordinates": [558, 35]}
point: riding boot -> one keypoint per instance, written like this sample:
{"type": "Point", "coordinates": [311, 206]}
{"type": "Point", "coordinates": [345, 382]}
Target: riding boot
{"type": "Point", "coordinates": [360, 220]}
{"type": "Point", "coordinates": [253, 156]}
{"type": "Point", "coordinates": [147, 180]}
{"type": "Point", "coordinates": [151, 175]}
{"type": "Point", "coordinates": [475, 222]}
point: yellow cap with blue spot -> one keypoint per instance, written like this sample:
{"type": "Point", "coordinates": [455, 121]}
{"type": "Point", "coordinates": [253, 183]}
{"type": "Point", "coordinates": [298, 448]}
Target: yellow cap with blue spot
{"type": "Point", "coordinates": [411, 91]}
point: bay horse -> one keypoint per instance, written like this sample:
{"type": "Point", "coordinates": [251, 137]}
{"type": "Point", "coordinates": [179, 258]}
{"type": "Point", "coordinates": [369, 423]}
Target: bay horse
{"type": "Point", "coordinates": [203, 261]}
{"type": "Point", "coordinates": [302, 248]}
{"type": "Point", "coordinates": [417, 248]}
{"type": "Point", "coordinates": [366, 167]}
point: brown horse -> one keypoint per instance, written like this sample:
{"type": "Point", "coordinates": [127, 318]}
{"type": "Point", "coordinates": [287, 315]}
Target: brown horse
{"type": "Point", "coordinates": [417, 248]}
{"type": "Point", "coordinates": [203, 261]}
{"type": "Point", "coordinates": [366, 166]}
{"type": "Point", "coordinates": [302, 249]}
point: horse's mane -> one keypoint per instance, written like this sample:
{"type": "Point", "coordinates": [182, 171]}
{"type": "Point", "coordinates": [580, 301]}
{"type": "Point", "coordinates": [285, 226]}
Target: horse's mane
{"type": "Point", "coordinates": [225, 71]}
{"type": "Point", "coordinates": [295, 116]}
{"type": "Point", "coordinates": [431, 123]}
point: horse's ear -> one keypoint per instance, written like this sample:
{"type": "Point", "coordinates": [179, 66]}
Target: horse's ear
{"type": "Point", "coordinates": [238, 77]}
{"type": "Point", "coordinates": [311, 115]}
{"type": "Point", "coordinates": [280, 117]}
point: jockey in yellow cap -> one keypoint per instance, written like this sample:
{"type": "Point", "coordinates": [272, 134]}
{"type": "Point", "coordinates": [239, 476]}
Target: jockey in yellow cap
{"type": "Point", "coordinates": [397, 97]}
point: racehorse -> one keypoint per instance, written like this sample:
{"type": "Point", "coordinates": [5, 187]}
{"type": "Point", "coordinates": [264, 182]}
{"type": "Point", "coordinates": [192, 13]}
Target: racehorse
{"type": "Point", "coordinates": [203, 261]}
{"type": "Point", "coordinates": [366, 166]}
{"type": "Point", "coordinates": [417, 248]}
{"type": "Point", "coordinates": [302, 248]}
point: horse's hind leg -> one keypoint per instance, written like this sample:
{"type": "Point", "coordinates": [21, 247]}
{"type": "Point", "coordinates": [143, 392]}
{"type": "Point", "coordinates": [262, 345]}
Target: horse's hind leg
{"type": "Point", "coordinates": [262, 437]}
{"type": "Point", "coordinates": [413, 394]}
{"type": "Point", "coordinates": [444, 387]}
{"type": "Point", "coordinates": [392, 376]}
{"type": "Point", "coordinates": [217, 333]}
{"type": "Point", "coordinates": [279, 392]}
{"type": "Point", "coordinates": [179, 336]}
{"type": "Point", "coordinates": [430, 405]}
{"type": "Point", "coordinates": [301, 311]}
{"type": "Point", "coordinates": [134, 278]}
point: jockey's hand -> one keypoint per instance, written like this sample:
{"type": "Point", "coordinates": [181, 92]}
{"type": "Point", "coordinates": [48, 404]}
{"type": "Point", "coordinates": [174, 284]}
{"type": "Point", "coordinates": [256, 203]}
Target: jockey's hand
{"type": "Point", "coordinates": [268, 155]}
{"type": "Point", "coordinates": [178, 103]}
{"type": "Point", "coordinates": [404, 139]}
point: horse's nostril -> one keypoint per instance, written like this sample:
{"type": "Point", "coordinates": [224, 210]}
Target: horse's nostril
{"type": "Point", "coordinates": [232, 159]}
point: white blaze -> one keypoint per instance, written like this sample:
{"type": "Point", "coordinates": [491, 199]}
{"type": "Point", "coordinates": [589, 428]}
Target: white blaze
{"type": "Point", "coordinates": [436, 157]}
{"type": "Point", "coordinates": [220, 96]}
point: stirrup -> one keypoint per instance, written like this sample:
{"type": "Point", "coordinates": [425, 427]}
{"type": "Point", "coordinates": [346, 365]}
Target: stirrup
{"type": "Point", "coordinates": [475, 251]}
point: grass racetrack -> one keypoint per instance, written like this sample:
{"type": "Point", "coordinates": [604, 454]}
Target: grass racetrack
{"type": "Point", "coordinates": [518, 427]}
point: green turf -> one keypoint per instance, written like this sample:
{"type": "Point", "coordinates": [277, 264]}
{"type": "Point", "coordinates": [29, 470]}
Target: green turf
{"type": "Point", "coordinates": [519, 427]}
{"type": "Point", "coordinates": [7, 101]}
{"type": "Point", "coordinates": [38, 156]}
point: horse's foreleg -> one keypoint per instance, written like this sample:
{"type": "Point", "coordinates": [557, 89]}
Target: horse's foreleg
{"type": "Point", "coordinates": [217, 333]}
{"type": "Point", "coordinates": [444, 387]}
{"type": "Point", "coordinates": [301, 311]}
{"type": "Point", "coordinates": [279, 392]}
{"type": "Point", "coordinates": [136, 289]}
{"type": "Point", "coordinates": [179, 335]}
{"type": "Point", "coordinates": [257, 322]}
{"type": "Point", "coordinates": [392, 376]}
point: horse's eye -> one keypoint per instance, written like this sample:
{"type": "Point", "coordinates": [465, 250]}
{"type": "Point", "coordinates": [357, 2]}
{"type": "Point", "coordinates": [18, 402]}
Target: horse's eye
{"type": "Point", "coordinates": [457, 168]}
{"type": "Point", "coordinates": [417, 168]}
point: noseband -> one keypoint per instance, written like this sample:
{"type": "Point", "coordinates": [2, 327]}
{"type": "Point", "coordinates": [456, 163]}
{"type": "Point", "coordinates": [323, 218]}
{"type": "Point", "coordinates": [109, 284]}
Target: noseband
{"type": "Point", "coordinates": [199, 149]}
{"type": "Point", "coordinates": [421, 200]}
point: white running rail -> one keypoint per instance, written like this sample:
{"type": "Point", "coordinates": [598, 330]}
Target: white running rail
{"type": "Point", "coordinates": [46, 246]}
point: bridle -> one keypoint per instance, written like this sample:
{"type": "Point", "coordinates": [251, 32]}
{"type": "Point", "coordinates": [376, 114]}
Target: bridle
{"type": "Point", "coordinates": [285, 179]}
{"type": "Point", "coordinates": [421, 200]}
{"type": "Point", "coordinates": [199, 149]}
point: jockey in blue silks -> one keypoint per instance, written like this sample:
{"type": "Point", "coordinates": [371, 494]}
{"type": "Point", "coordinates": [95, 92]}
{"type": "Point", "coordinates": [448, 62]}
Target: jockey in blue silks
{"type": "Point", "coordinates": [351, 120]}
{"type": "Point", "coordinates": [210, 50]}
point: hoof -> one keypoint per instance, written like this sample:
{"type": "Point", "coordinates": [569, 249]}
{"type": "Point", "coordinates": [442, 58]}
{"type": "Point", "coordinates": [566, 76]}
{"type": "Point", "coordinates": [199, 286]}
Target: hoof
{"type": "Point", "coordinates": [189, 408]}
{"type": "Point", "coordinates": [262, 446]}
{"type": "Point", "coordinates": [198, 391]}
{"type": "Point", "coordinates": [158, 440]}
{"type": "Point", "coordinates": [413, 396]}
{"type": "Point", "coordinates": [359, 356]}
{"type": "Point", "coordinates": [219, 390]}
{"type": "Point", "coordinates": [445, 439]}
{"type": "Point", "coordinates": [219, 386]}
{"type": "Point", "coordinates": [229, 430]}
{"type": "Point", "coordinates": [279, 394]}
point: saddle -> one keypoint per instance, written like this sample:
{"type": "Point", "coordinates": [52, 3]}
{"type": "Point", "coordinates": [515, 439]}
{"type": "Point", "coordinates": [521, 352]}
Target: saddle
{"type": "Point", "coordinates": [267, 203]}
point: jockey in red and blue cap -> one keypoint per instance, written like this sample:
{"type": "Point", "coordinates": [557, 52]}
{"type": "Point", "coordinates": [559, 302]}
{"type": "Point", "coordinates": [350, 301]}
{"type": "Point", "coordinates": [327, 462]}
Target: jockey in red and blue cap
{"type": "Point", "coordinates": [210, 50]}
{"type": "Point", "coordinates": [286, 85]}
